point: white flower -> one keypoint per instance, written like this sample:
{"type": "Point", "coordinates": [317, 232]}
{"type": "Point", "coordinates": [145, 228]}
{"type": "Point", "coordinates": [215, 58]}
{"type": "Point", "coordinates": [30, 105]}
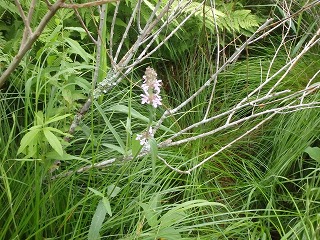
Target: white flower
{"type": "Point", "coordinates": [153, 99]}
{"type": "Point", "coordinates": [144, 138]}
{"type": "Point", "coordinates": [151, 87]}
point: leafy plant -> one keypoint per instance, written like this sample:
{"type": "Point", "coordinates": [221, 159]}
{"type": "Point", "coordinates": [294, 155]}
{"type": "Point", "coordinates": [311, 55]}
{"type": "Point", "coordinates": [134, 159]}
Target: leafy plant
{"type": "Point", "coordinates": [33, 140]}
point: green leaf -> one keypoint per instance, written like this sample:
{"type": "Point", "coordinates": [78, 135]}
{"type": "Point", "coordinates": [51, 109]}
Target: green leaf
{"type": "Point", "coordinates": [314, 153]}
{"type": "Point", "coordinates": [77, 49]}
{"type": "Point", "coordinates": [113, 190]}
{"type": "Point", "coordinates": [113, 147]}
{"type": "Point", "coordinates": [96, 192]}
{"type": "Point", "coordinates": [39, 118]}
{"type": "Point", "coordinates": [67, 95]}
{"type": "Point", "coordinates": [58, 131]}
{"type": "Point", "coordinates": [53, 141]}
{"type": "Point", "coordinates": [172, 217]}
{"type": "Point", "coordinates": [65, 156]}
{"type": "Point", "coordinates": [177, 214]}
{"type": "Point", "coordinates": [135, 114]}
{"type": "Point", "coordinates": [135, 145]}
{"type": "Point", "coordinates": [150, 214]}
{"type": "Point", "coordinates": [168, 233]}
{"type": "Point", "coordinates": [57, 118]}
{"type": "Point", "coordinates": [150, 210]}
{"type": "Point", "coordinates": [77, 29]}
{"type": "Point", "coordinates": [106, 204]}
{"type": "Point", "coordinates": [29, 139]}
{"type": "Point", "coordinates": [154, 154]}
{"type": "Point", "coordinates": [111, 128]}
{"type": "Point", "coordinates": [96, 222]}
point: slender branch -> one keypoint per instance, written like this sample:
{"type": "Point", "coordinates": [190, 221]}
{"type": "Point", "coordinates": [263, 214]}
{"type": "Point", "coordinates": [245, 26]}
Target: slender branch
{"type": "Point", "coordinates": [313, 86]}
{"type": "Point", "coordinates": [215, 80]}
{"type": "Point", "coordinates": [146, 31]}
{"type": "Point", "coordinates": [139, 16]}
{"type": "Point", "coordinates": [27, 31]}
{"type": "Point", "coordinates": [31, 10]}
{"type": "Point", "coordinates": [98, 43]}
{"type": "Point", "coordinates": [106, 163]}
{"type": "Point", "coordinates": [112, 31]}
{"type": "Point", "coordinates": [225, 113]}
{"type": "Point", "coordinates": [234, 123]}
{"type": "Point", "coordinates": [230, 144]}
{"type": "Point", "coordinates": [24, 18]}
{"type": "Point", "coordinates": [143, 55]}
{"type": "Point", "coordinates": [208, 82]}
{"type": "Point", "coordinates": [85, 5]}
{"type": "Point", "coordinates": [124, 36]}
{"type": "Point", "coordinates": [29, 42]}
{"type": "Point", "coordinates": [84, 26]}
{"type": "Point", "coordinates": [288, 66]}
{"type": "Point", "coordinates": [172, 168]}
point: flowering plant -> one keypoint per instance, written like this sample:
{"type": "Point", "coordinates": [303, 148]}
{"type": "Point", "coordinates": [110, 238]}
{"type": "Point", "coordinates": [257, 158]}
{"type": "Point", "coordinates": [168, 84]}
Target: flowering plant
{"type": "Point", "coordinates": [151, 90]}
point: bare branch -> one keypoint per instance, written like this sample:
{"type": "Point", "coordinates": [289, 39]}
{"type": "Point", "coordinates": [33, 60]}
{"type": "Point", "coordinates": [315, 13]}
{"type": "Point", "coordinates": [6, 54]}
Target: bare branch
{"type": "Point", "coordinates": [112, 31]}
{"type": "Point", "coordinates": [230, 143]}
{"type": "Point", "coordinates": [24, 17]}
{"type": "Point", "coordinates": [84, 26]}
{"type": "Point", "coordinates": [31, 39]}
{"type": "Point", "coordinates": [215, 80]}
{"type": "Point", "coordinates": [31, 10]}
{"type": "Point", "coordinates": [85, 5]}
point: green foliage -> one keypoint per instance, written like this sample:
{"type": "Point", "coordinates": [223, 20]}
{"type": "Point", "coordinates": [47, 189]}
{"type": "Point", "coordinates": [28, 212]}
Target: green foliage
{"type": "Point", "coordinates": [32, 141]}
{"type": "Point", "coordinates": [314, 153]}
{"type": "Point", "coordinates": [102, 208]}
{"type": "Point", "coordinates": [264, 187]}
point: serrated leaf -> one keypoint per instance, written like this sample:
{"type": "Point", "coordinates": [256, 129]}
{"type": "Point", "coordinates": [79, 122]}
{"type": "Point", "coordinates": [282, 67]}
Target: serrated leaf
{"type": "Point", "coordinates": [96, 222]}
{"type": "Point", "coordinates": [53, 141]}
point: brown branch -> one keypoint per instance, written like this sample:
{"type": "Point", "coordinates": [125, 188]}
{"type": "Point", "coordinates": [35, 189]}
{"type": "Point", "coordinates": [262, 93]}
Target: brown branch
{"type": "Point", "coordinates": [89, 4]}
{"type": "Point", "coordinates": [24, 17]}
{"type": "Point", "coordinates": [31, 10]}
{"type": "Point", "coordinates": [27, 31]}
{"type": "Point", "coordinates": [29, 41]}
{"type": "Point", "coordinates": [84, 26]}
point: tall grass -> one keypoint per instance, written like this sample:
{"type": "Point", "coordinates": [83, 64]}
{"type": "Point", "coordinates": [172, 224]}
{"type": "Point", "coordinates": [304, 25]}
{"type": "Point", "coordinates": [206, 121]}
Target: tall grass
{"type": "Point", "coordinates": [263, 187]}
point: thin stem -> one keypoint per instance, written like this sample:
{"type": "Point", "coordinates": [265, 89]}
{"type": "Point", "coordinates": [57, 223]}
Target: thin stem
{"type": "Point", "coordinates": [84, 26]}
{"type": "Point", "coordinates": [85, 5]}
{"type": "Point", "coordinates": [29, 42]}
{"type": "Point", "coordinates": [99, 46]}
{"type": "Point", "coordinates": [112, 31]}
{"type": "Point", "coordinates": [215, 80]}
